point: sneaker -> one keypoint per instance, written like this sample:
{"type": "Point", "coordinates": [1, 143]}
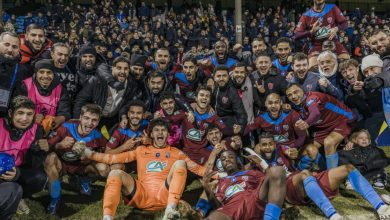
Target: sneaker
{"type": "Point", "coordinates": [85, 187]}
{"type": "Point", "coordinates": [379, 183]}
{"type": "Point", "coordinates": [384, 212]}
{"type": "Point", "coordinates": [171, 214]}
{"type": "Point", "coordinates": [53, 206]}
{"type": "Point", "coordinates": [348, 185]}
{"type": "Point", "coordinates": [23, 208]}
{"type": "Point", "coordinates": [336, 216]}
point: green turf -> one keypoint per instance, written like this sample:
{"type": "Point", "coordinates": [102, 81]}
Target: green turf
{"type": "Point", "coordinates": [74, 206]}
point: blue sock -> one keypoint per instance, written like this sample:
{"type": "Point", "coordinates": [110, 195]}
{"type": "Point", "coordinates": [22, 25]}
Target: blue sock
{"type": "Point", "coordinates": [55, 189]}
{"type": "Point", "coordinates": [203, 206]}
{"type": "Point", "coordinates": [364, 188]}
{"type": "Point", "coordinates": [305, 163]}
{"type": "Point", "coordinates": [332, 160]}
{"type": "Point", "coordinates": [272, 212]}
{"type": "Point", "coordinates": [320, 162]}
{"type": "Point", "coordinates": [315, 193]}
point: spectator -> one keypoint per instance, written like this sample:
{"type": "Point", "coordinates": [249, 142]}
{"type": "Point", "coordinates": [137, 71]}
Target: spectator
{"type": "Point", "coordinates": [367, 158]}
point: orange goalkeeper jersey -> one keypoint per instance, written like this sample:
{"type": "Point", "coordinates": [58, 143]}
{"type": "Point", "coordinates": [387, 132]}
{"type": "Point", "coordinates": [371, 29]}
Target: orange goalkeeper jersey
{"type": "Point", "coordinates": [153, 164]}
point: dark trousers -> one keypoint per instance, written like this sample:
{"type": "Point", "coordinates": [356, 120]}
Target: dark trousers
{"type": "Point", "coordinates": [32, 180]}
{"type": "Point", "coordinates": [10, 196]}
{"type": "Point", "coordinates": [373, 124]}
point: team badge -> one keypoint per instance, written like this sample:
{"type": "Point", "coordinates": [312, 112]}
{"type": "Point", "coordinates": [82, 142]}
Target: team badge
{"type": "Point", "coordinates": [329, 19]}
{"type": "Point", "coordinates": [309, 87]}
{"type": "Point", "coordinates": [270, 85]}
{"type": "Point", "coordinates": [285, 127]}
{"type": "Point", "coordinates": [112, 140]}
{"type": "Point", "coordinates": [225, 100]}
{"type": "Point", "coordinates": [157, 154]}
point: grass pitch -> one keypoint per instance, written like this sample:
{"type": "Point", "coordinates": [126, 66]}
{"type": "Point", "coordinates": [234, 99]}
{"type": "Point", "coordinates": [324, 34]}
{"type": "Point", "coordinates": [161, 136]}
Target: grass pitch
{"type": "Point", "coordinates": [74, 206]}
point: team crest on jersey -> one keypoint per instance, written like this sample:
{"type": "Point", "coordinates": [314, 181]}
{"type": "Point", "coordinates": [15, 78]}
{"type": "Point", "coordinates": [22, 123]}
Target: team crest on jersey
{"type": "Point", "coordinates": [233, 189]}
{"type": "Point", "coordinates": [280, 160]}
{"type": "Point", "coordinates": [155, 166]}
{"type": "Point", "coordinates": [309, 87]}
{"type": "Point", "coordinates": [285, 127]}
{"type": "Point", "coordinates": [270, 85]}
{"type": "Point", "coordinates": [225, 100]}
{"type": "Point", "coordinates": [329, 19]}
{"type": "Point", "coordinates": [194, 134]}
{"type": "Point", "coordinates": [309, 102]}
{"type": "Point", "coordinates": [112, 140]}
{"type": "Point", "coordinates": [245, 178]}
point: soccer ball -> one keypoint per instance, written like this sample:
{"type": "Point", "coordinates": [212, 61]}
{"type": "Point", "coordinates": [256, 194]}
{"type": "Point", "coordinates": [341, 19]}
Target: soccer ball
{"type": "Point", "coordinates": [7, 162]}
{"type": "Point", "coordinates": [74, 154]}
{"type": "Point", "coordinates": [322, 33]}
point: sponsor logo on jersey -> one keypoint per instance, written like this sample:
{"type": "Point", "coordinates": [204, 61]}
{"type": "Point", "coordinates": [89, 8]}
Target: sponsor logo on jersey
{"type": "Point", "coordinates": [155, 166]}
{"type": "Point", "coordinates": [233, 189]}
{"type": "Point", "coordinates": [194, 134]}
{"type": "Point", "coordinates": [281, 138]}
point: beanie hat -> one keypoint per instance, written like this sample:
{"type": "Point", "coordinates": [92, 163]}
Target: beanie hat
{"type": "Point", "coordinates": [44, 64]}
{"type": "Point", "coordinates": [137, 60]}
{"type": "Point", "coordinates": [371, 60]}
{"type": "Point", "coordinates": [87, 49]}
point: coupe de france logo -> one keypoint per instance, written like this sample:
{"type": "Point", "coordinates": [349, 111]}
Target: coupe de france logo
{"type": "Point", "coordinates": [233, 189]}
{"type": "Point", "coordinates": [155, 166]}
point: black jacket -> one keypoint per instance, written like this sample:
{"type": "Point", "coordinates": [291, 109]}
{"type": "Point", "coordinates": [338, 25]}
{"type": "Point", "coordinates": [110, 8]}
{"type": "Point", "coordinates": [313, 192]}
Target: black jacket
{"type": "Point", "coordinates": [83, 74]}
{"type": "Point", "coordinates": [227, 102]}
{"type": "Point", "coordinates": [151, 100]}
{"type": "Point", "coordinates": [7, 68]}
{"type": "Point", "coordinates": [272, 82]}
{"type": "Point", "coordinates": [370, 160]}
{"type": "Point", "coordinates": [63, 108]}
{"type": "Point", "coordinates": [96, 91]}
{"type": "Point", "coordinates": [385, 74]}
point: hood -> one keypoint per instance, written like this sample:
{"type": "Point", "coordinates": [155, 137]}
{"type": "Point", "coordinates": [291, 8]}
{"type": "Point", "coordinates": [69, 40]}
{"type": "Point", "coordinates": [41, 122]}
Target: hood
{"type": "Point", "coordinates": [99, 60]}
{"type": "Point", "coordinates": [56, 81]}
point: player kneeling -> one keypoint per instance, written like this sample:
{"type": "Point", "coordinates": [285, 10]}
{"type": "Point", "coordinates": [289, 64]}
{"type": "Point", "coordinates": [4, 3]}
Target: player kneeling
{"type": "Point", "coordinates": [65, 141]}
{"type": "Point", "coordinates": [319, 187]}
{"type": "Point", "coordinates": [248, 194]}
{"type": "Point", "coordinates": [162, 173]}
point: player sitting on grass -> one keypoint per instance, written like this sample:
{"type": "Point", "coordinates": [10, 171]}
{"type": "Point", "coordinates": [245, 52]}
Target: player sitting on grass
{"type": "Point", "coordinates": [162, 173]}
{"type": "Point", "coordinates": [245, 194]}
{"type": "Point", "coordinates": [64, 159]}
{"type": "Point", "coordinates": [319, 187]}
{"type": "Point", "coordinates": [326, 117]}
